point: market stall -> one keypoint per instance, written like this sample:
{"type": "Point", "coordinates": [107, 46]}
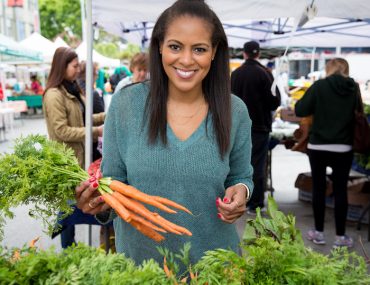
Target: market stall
{"type": "Point", "coordinates": [33, 101]}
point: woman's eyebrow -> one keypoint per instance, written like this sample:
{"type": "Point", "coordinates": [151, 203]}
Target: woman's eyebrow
{"type": "Point", "coordinates": [197, 44]}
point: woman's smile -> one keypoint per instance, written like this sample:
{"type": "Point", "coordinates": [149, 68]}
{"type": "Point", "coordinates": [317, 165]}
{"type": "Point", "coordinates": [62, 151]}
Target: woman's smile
{"type": "Point", "coordinates": [185, 74]}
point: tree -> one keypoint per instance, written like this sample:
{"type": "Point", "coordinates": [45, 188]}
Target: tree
{"type": "Point", "coordinates": [60, 17]}
{"type": "Point", "coordinates": [129, 51]}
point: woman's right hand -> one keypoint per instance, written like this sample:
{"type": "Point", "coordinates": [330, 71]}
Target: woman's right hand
{"type": "Point", "coordinates": [88, 199]}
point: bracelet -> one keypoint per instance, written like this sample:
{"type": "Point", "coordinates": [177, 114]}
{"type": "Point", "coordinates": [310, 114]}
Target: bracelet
{"type": "Point", "coordinates": [248, 192]}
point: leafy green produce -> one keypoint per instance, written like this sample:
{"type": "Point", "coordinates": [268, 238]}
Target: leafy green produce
{"type": "Point", "coordinates": [367, 109]}
{"type": "Point", "coordinates": [46, 173]}
{"type": "Point", "coordinates": [40, 172]}
{"type": "Point", "coordinates": [273, 253]}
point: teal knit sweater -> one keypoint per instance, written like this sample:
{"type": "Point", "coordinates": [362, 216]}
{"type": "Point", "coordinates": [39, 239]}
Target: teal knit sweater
{"type": "Point", "coordinates": [189, 172]}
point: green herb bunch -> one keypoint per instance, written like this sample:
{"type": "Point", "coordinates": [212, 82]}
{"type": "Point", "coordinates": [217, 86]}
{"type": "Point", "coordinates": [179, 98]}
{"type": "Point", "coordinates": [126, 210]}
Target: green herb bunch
{"type": "Point", "coordinates": [42, 173]}
{"type": "Point", "coordinates": [274, 253]}
{"type": "Point", "coordinates": [77, 265]}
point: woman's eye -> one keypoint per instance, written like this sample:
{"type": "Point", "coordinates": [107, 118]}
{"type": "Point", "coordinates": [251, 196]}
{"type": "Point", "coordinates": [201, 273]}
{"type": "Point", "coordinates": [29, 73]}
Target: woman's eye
{"type": "Point", "coordinates": [174, 47]}
{"type": "Point", "coordinates": [200, 50]}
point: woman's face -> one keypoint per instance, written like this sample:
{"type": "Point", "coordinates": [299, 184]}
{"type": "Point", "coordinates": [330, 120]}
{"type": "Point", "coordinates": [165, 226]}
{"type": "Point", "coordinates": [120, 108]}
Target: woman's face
{"type": "Point", "coordinates": [72, 71]}
{"type": "Point", "coordinates": [187, 53]}
{"type": "Point", "coordinates": [139, 73]}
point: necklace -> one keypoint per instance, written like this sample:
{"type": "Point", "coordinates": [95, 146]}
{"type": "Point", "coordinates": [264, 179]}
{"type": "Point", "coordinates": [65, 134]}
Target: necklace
{"type": "Point", "coordinates": [184, 119]}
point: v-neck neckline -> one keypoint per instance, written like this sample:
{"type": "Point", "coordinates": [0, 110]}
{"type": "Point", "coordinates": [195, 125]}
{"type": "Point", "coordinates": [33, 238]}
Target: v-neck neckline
{"type": "Point", "coordinates": [182, 144]}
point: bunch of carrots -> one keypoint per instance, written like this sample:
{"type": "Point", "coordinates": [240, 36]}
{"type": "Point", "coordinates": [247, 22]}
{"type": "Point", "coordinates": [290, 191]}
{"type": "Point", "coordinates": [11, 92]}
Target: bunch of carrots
{"type": "Point", "coordinates": [128, 202]}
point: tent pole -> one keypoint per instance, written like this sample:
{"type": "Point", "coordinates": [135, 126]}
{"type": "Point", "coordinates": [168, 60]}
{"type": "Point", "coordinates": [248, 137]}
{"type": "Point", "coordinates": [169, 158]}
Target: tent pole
{"type": "Point", "coordinates": [313, 52]}
{"type": "Point", "coordinates": [338, 51]}
{"type": "Point", "coordinates": [89, 94]}
{"type": "Point", "coordinates": [144, 38]}
{"type": "Point", "coordinates": [5, 32]}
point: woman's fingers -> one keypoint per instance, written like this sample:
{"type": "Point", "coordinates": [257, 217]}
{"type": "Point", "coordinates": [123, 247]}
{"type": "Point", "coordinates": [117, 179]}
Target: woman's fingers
{"type": "Point", "coordinates": [81, 188]}
{"type": "Point", "coordinates": [229, 212]}
{"type": "Point", "coordinates": [88, 199]}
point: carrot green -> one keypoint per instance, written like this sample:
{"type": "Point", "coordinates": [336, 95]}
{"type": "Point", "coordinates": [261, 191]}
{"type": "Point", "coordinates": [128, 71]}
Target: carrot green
{"type": "Point", "coordinates": [41, 173]}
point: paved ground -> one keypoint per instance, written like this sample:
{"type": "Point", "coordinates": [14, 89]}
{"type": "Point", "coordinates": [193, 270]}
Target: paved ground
{"type": "Point", "coordinates": [286, 165]}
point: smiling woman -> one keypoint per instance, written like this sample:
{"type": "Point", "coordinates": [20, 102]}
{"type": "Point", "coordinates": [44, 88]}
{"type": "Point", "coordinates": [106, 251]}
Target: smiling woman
{"type": "Point", "coordinates": [181, 136]}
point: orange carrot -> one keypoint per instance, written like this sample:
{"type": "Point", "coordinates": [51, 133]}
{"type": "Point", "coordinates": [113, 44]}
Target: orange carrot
{"type": "Point", "coordinates": [132, 192]}
{"type": "Point", "coordinates": [141, 210]}
{"type": "Point", "coordinates": [33, 242]}
{"type": "Point", "coordinates": [150, 233]}
{"type": "Point", "coordinates": [174, 226]}
{"type": "Point", "coordinates": [147, 223]}
{"type": "Point", "coordinates": [16, 255]}
{"type": "Point", "coordinates": [120, 209]}
{"type": "Point", "coordinates": [166, 270]}
{"type": "Point", "coordinates": [171, 203]}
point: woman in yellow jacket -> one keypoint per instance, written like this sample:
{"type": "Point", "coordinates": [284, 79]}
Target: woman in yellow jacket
{"type": "Point", "coordinates": [64, 104]}
{"type": "Point", "coordinates": [64, 110]}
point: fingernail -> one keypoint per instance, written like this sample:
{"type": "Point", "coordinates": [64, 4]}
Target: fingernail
{"type": "Point", "coordinates": [217, 202]}
{"type": "Point", "coordinates": [219, 215]}
{"type": "Point", "coordinates": [226, 200]}
{"type": "Point", "coordinates": [95, 185]}
{"type": "Point", "coordinates": [101, 199]}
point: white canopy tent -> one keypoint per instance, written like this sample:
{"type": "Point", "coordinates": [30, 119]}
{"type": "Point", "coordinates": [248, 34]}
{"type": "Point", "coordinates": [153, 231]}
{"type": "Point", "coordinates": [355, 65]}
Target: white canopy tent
{"type": "Point", "coordinates": [270, 22]}
{"type": "Point", "coordinates": [102, 60]}
{"type": "Point", "coordinates": [337, 22]}
{"type": "Point", "coordinates": [12, 52]}
{"type": "Point", "coordinates": [41, 44]}
{"type": "Point", "coordinates": [59, 42]}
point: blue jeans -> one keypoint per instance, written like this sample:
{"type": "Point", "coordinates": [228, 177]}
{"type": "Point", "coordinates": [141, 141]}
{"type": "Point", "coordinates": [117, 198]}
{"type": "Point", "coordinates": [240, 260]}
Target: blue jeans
{"type": "Point", "coordinates": [67, 236]}
{"type": "Point", "coordinates": [260, 145]}
{"type": "Point", "coordinates": [67, 230]}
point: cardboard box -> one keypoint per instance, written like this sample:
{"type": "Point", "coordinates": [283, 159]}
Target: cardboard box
{"type": "Point", "coordinates": [304, 182]}
{"type": "Point", "coordinates": [354, 211]}
{"type": "Point", "coordinates": [358, 191]}
{"type": "Point", "coordinates": [358, 184]}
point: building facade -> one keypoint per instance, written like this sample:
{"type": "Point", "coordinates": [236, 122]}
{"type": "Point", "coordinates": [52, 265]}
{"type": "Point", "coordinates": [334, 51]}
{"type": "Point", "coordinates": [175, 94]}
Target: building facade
{"type": "Point", "coordinates": [19, 18]}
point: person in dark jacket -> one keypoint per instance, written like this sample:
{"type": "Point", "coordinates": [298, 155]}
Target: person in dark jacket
{"type": "Point", "coordinates": [332, 102]}
{"type": "Point", "coordinates": [252, 83]}
{"type": "Point", "coordinates": [98, 102]}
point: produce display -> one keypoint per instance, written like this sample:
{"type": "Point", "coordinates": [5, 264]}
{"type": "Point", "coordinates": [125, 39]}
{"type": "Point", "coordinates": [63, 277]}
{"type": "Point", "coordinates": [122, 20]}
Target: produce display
{"type": "Point", "coordinates": [46, 173]}
{"type": "Point", "coordinates": [363, 160]}
{"type": "Point", "coordinates": [273, 253]}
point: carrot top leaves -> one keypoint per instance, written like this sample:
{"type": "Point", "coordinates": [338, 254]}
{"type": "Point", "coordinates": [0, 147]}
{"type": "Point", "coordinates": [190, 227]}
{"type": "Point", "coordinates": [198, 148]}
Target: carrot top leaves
{"type": "Point", "coordinates": [42, 173]}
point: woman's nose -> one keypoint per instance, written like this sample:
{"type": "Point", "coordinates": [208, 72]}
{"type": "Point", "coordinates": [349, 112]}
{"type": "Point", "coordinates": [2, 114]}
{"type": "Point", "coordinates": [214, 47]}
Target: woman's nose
{"type": "Point", "coordinates": [186, 57]}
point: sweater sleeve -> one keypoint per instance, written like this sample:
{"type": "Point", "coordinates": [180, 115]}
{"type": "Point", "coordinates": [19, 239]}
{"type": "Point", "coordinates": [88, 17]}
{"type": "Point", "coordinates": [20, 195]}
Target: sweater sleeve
{"type": "Point", "coordinates": [112, 163]}
{"type": "Point", "coordinates": [306, 105]}
{"type": "Point", "coordinates": [241, 170]}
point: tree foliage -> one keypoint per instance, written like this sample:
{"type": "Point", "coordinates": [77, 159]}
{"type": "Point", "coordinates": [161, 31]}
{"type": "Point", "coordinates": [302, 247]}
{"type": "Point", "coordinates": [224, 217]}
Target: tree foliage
{"type": "Point", "coordinates": [60, 18]}
{"type": "Point", "coordinates": [130, 51]}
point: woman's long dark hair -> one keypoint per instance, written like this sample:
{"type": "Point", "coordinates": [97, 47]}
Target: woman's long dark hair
{"type": "Point", "coordinates": [62, 57]}
{"type": "Point", "coordinates": [216, 85]}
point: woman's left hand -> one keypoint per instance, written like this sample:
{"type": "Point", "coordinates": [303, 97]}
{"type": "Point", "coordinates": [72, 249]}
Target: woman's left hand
{"type": "Point", "coordinates": [233, 205]}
